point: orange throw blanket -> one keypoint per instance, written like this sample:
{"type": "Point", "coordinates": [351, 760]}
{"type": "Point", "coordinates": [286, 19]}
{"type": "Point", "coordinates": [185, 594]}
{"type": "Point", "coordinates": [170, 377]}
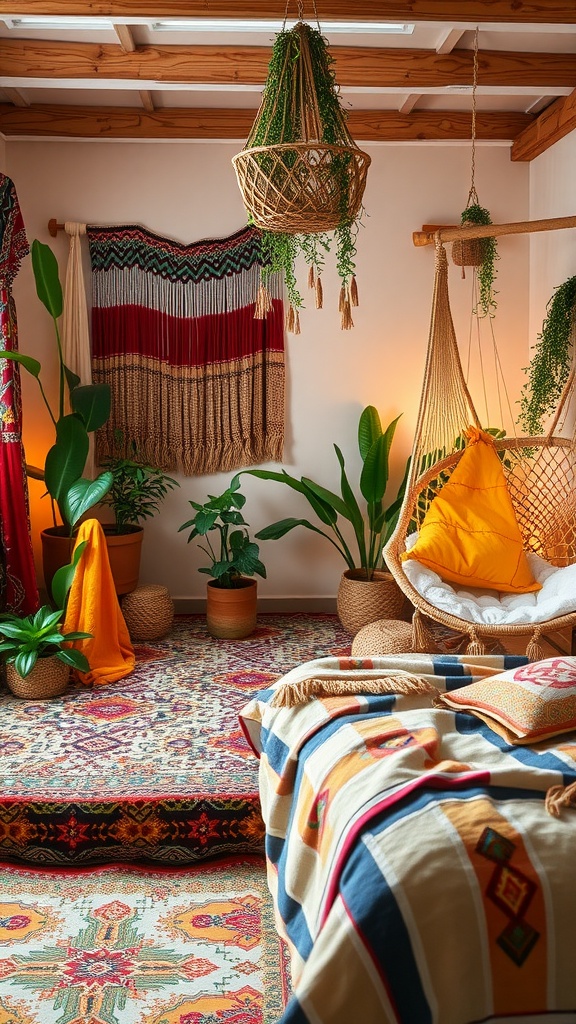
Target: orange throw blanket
{"type": "Point", "coordinates": [93, 608]}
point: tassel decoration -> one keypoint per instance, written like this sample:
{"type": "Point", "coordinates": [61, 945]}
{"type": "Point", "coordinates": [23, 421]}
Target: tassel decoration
{"type": "Point", "coordinates": [475, 646]}
{"type": "Point", "coordinates": [558, 797]}
{"type": "Point", "coordinates": [311, 277]}
{"type": "Point", "coordinates": [263, 303]}
{"type": "Point", "coordinates": [534, 650]}
{"type": "Point", "coordinates": [319, 293]}
{"type": "Point", "coordinates": [353, 292]}
{"type": "Point", "coordinates": [341, 299]}
{"type": "Point", "coordinates": [346, 321]}
{"type": "Point", "coordinates": [296, 322]}
{"type": "Point", "coordinates": [290, 319]}
{"type": "Point", "coordinates": [422, 640]}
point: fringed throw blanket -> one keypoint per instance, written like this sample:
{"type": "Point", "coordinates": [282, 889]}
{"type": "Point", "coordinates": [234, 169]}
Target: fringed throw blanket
{"type": "Point", "coordinates": [197, 383]}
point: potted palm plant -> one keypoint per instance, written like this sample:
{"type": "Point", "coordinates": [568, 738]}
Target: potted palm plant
{"type": "Point", "coordinates": [367, 591]}
{"type": "Point", "coordinates": [136, 493]}
{"type": "Point", "coordinates": [70, 492]}
{"type": "Point", "coordinates": [38, 656]}
{"type": "Point", "coordinates": [231, 594]}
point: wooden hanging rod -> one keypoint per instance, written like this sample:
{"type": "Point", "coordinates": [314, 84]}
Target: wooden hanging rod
{"type": "Point", "coordinates": [450, 233]}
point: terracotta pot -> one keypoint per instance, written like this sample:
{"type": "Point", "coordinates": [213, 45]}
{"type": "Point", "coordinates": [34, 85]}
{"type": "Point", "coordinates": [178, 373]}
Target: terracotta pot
{"type": "Point", "coordinates": [231, 612]}
{"type": "Point", "coordinates": [48, 678]}
{"type": "Point", "coordinates": [362, 601]}
{"type": "Point", "coordinates": [124, 550]}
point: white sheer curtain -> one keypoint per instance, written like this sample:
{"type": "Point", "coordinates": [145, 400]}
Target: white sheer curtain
{"type": "Point", "coordinates": [75, 328]}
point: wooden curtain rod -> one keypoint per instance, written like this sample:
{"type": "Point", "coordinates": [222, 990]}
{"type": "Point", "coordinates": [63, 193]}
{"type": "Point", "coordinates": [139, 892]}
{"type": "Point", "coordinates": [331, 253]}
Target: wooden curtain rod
{"type": "Point", "coordinates": [521, 227]}
{"type": "Point", "coordinates": [54, 227]}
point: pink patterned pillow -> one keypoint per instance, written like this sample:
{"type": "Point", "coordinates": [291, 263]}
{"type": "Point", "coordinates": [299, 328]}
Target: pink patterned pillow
{"type": "Point", "coordinates": [524, 704]}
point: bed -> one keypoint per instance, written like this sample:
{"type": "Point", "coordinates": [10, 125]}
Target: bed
{"type": "Point", "coordinates": [421, 861]}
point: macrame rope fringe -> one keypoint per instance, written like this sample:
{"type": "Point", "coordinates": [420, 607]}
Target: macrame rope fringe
{"type": "Point", "coordinates": [291, 694]}
{"type": "Point", "coordinates": [558, 797]}
{"type": "Point", "coordinates": [534, 651]}
{"type": "Point", "coordinates": [475, 646]}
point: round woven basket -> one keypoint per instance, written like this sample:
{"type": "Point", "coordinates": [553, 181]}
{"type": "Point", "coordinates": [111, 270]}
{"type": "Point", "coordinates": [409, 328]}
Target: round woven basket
{"type": "Point", "coordinates": [468, 252]}
{"type": "Point", "coordinates": [387, 636]}
{"type": "Point", "coordinates": [302, 186]}
{"type": "Point", "coordinates": [148, 612]}
{"type": "Point", "coordinates": [361, 601]}
{"type": "Point", "coordinates": [48, 678]}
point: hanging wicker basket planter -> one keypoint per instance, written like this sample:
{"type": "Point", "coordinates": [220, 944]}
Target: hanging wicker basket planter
{"type": "Point", "coordinates": [301, 174]}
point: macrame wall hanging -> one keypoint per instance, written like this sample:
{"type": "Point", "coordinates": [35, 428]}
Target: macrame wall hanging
{"type": "Point", "coordinates": [301, 174]}
{"type": "Point", "coordinates": [197, 383]}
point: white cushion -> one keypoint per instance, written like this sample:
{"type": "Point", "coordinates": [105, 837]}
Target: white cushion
{"type": "Point", "coordinates": [491, 607]}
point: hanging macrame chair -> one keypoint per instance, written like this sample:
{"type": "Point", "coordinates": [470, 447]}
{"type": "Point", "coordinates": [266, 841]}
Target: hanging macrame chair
{"type": "Point", "coordinates": [540, 474]}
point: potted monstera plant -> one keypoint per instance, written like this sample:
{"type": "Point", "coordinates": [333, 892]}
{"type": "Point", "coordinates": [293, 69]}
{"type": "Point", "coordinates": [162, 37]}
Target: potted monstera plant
{"type": "Point", "coordinates": [367, 591]}
{"type": "Point", "coordinates": [70, 492]}
{"type": "Point", "coordinates": [231, 593]}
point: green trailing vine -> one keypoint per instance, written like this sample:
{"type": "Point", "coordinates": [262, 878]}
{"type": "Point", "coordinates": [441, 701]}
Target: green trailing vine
{"type": "Point", "coordinates": [486, 271]}
{"type": "Point", "coordinates": [550, 365]}
{"type": "Point", "coordinates": [294, 97]}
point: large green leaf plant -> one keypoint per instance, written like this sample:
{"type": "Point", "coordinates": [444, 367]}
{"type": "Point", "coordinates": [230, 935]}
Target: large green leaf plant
{"type": "Point", "coordinates": [90, 408]}
{"type": "Point", "coordinates": [371, 526]}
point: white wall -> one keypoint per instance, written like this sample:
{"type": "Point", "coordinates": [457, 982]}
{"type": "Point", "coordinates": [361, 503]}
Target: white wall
{"type": "Point", "coordinates": [188, 191]}
{"type": "Point", "coordinates": [552, 253]}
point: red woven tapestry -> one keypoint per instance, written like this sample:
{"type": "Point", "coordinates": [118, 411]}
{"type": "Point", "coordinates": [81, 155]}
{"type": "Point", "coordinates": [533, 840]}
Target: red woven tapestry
{"type": "Point", "coordinates": [197, 383]}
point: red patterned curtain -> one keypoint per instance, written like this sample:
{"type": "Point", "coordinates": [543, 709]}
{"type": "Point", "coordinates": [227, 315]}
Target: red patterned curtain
{"type": "Point", "coordinates": [197, 382]}
{"type": "Point", "coordinates": [19, 592]}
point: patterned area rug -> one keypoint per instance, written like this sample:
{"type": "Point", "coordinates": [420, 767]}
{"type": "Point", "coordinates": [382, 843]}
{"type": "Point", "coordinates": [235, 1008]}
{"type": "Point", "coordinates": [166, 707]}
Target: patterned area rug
{"type": "Point", "coordinates": [124, 945]}
{"type": "Point", "coordinates": [155, 766]}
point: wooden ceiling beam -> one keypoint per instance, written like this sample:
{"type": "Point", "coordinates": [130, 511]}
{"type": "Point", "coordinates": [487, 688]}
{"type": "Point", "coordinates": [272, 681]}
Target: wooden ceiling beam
{"type": "Point", "coordinates": [542, 12]}
{"type": "Point", "coordinates": [248, 65]}
{"type": "Point", "coordinates": [125, 38]}
{"type": "Point", "coordinates": [180, 123]}
{"type": "Point", "coordinates": [558, 120]}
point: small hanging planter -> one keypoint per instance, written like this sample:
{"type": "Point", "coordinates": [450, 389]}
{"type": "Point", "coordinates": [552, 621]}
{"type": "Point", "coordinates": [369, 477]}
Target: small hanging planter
{"type": "Point", "coordinates": [301, 174]}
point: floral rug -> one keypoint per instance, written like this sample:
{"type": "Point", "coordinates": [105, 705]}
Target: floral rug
{"type": "Point", "coordinates": [155, 766]}
{"type": "Point", "coordinates": [126, 945]}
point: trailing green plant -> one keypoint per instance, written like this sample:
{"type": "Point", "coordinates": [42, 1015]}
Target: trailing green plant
{"type": "Point", "coordinates": [233, 555]}
{"type": "Point", "coordinates": [90, 404]}
{"type": "Point", "coordinates": [137, 490]}
{"type": "Point", "coordinates": [486, 271]}
{"type": "Point", "coordinates": [372, 526]}
{"type": "Point", "coordinates": [25, 639]}
{"type": "Point", "coordinates": [550, 365]}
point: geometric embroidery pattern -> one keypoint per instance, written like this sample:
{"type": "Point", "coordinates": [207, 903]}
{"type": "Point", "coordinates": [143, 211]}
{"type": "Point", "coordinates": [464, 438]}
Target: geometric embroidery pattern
{"type": "Point", "coordinates": [512, 892]}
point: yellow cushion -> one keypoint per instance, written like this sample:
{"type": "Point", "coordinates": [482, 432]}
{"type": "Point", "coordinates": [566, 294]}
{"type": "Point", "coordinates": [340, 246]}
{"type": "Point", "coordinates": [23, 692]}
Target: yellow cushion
{"type": "Point", "coordinates": [470, 534]}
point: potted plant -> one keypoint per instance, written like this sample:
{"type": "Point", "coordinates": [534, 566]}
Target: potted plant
{"type": "Point", "coordinates": [37, 654]}
{"type": "Point", "coordinates": [65, 462]}
{"type": "Point", "coordinates": [480, 253]}
{"type": "Point", "coordinates": [367, 591]}
{"type": "Point", "coordinates": [135, 495]}
{"type": "Point", "coordinates": [550, 365]}
{"type": "Point", "coordinates": [231, 594]}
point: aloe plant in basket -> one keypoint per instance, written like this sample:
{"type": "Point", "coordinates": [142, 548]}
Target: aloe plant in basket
{"type": "Point", "coordinates": [371, 525]}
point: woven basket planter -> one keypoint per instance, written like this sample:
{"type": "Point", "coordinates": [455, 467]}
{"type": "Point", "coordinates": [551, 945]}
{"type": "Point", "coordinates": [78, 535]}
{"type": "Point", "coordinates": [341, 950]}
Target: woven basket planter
{"type": "Point", "coordinates": [468, 252]}
{"type": "Point", "coordinates": [48, 678]}
{"type": "Point", "coordinates": [294, 187]}
{"type": "Point", "coordinates": [148, 612]}
{"type": "Point", "coordinates": [361, 601]}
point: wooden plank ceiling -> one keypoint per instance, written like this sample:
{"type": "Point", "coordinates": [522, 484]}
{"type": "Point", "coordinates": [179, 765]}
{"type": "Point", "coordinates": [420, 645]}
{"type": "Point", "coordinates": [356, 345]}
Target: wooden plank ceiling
{"type": "Point", "coordinates": [120, 79]}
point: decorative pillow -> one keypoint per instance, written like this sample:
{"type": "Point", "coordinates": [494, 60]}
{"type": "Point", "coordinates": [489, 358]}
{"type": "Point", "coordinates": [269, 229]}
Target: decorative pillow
{"type": "Point", "coordinates": [470, 534]}
{"type": "Point", "coordinates": [524, 704]}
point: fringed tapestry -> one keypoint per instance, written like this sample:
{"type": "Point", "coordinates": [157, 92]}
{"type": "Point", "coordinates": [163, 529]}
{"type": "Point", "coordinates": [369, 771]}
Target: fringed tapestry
{"type": "Point", "coordinates": [197, 382]}
{"type": "Point", "coordinates": [18, 590]}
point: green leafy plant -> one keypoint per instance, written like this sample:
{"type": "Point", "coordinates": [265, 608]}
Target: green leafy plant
{"type": "Point", "coordinates": [486, 271]}
{"type": "Point", "coordinates": [233, 555]}
{"type": "Point", "coordinates": [25, 639]}
{"type": "Point", "coordinates": [90, 404]}
{"type": "Point", "coordinates": [137, 490]}
{"type": "Point", "coordinates": [550, 365]}
{"type": "Point", "coordinates": [373, 526]}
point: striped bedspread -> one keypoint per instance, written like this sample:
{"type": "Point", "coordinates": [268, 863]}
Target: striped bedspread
{"type": "Point", "coordinates": [416, 873]}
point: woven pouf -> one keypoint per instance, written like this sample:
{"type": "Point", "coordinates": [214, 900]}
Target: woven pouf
{"type": "Point", "coordinates": [148, 611]}
{"type": "Point", "coordinates": [386, 636]}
